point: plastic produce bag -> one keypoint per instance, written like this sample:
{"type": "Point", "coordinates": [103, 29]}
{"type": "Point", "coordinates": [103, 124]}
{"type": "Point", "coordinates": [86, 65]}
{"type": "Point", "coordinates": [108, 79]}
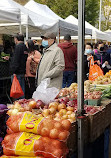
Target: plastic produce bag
{"type": "Point", "coordinates": [28, 144]}
{"type": "Point", "coordinates": [94, 70]}
{"type": "Point", "coordinates": [4, 156]}
{"type": "Point", "coordinates": [16, 90]}
{"type": "Point", "coordinates": [43, 126]}
{"type": "Point", "coordinates": [44, 93]}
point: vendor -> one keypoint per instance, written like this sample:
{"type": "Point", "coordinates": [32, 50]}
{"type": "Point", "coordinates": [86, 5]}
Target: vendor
{"type": "Point", "coordinates": [52, 62]}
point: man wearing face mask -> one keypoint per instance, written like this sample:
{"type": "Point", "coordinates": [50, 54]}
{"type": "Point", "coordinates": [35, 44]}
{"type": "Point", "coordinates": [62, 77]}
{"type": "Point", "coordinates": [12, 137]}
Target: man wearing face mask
{"type": "Point", "coordinates": [102, 56]}
{"type": "Point", "coordinates": [52, 62]}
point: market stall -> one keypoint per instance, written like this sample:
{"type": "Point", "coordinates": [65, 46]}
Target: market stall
{"type": "Point", "coordinates": [64, 26]}
{"type": "Point", "coordinates": [96, 34]}
{"type": "Point", "coordinates": [38, 124]}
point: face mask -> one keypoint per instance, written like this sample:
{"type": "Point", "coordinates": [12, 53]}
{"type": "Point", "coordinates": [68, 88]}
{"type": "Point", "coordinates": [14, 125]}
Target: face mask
{"type": "Point", "coordinates": [101, 48]}
{"type": "Point", "coordinates": [88, 51]}
{"type": "Point", "coordinates": [45, 43]}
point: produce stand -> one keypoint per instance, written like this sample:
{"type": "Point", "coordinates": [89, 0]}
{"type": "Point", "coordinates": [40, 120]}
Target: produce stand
{"type": "Point", "coordinates": [97, 130]}
{"type": "Point", "coordinates": [54, 127]}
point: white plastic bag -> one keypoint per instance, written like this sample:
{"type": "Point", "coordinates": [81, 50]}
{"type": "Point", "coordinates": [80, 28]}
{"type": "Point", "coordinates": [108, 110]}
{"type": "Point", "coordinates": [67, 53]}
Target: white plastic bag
{"type": "Point", "coordinates": [45, 94]}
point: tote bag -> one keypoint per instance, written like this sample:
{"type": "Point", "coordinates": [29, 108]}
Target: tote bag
{"type": "Point", "coordinates": [16, 90]}
{"type": "Point", "coordinates": [94, 70]}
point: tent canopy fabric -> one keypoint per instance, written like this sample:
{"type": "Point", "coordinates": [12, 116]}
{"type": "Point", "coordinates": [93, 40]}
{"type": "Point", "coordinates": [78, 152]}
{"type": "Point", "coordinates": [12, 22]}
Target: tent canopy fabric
{"type": "Point", "coordinates": [27, 17]}
{"type": "Point", "coordinates": [65, 27]}
{"type": "Point", "coordinates": [41, 9]}
{"type": "Point", "coordinates": [108, 32]}
{"type": "Point", "coordinates": [37, 24]}
{"type": "Point", "coordinates": [96, 34]}
{"type": "Point", "coordinates": [8, 13]}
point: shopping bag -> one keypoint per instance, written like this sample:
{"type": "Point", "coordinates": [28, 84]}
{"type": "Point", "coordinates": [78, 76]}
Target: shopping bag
{"type": "Point", "coordinates": [94, 70]}
{"type": "Point", "coordinates": [16, 90]}
{"type": "Point", "coordinates": [44, 93]}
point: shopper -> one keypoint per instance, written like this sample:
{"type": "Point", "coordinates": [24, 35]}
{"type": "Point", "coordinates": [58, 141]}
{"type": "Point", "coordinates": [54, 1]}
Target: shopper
{"type": "Point", "coordinates": [52, 62]}
{"type": "Point", "coordinates": [87, 57]}
{"type": "Point", "coordinates": [109, 54]}
{"type": "Point", "coordinates": [70, 55]}
{"type": "Point", "coordinates": [31, 67]}
{"type": "Point", "coordinates": [18, 61]}
{"type": "Point", "coordinates": [102, 56]}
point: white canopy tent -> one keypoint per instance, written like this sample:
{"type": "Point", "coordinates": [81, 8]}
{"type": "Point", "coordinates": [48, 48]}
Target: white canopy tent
{"type": "Point", "coordinates": [65, 27]}
{"type": "Point", "coordinates": [96, 34]}
{"type": "Point", "coordinates": [108, 32]}
{"type": "Point", "coordinates": [41, 9]}
{"type": "Point", "coordinates": [35, 23]}
{"type": "Point", "coordinates": [9, 15]}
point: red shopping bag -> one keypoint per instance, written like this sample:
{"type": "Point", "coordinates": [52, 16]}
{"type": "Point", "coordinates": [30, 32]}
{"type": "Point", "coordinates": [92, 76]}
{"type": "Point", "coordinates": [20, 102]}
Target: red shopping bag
{"type": "Point", "coordinates": [16, 90]}
{"type": "Point", "coordinates": [94, 70]}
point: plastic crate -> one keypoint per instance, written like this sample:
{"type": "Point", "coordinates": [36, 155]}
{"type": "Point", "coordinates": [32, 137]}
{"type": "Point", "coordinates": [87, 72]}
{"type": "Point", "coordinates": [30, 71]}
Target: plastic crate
{"type": "Point", "coordinates": [94, 102]}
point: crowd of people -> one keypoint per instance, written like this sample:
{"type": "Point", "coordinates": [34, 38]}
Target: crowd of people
{"type": "Point", "coordinates": [57, 62]}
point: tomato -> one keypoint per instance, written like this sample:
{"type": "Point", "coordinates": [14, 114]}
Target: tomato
{"type": "Point", "coordinates": [66, 124]}
{"type": "Point", "coordinates": [54, 133]}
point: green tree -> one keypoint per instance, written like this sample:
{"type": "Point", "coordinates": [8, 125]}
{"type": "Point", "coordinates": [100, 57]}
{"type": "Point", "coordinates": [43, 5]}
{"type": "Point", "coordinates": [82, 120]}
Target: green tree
{"type": "Point", "coordinates": [65, 8]}
{"type": "Point", "coordinates": [106, 7]}
{"type": "Point", "coordinates": [92, 11]}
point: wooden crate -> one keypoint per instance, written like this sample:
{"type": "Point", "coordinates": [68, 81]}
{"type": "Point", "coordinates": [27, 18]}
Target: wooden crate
{"type": "Point", "coordinates": [72, 139]}
{"type": "Point", "coordinates": [95, 126]}
{"type": "Point", "coordinates": [107, 117]}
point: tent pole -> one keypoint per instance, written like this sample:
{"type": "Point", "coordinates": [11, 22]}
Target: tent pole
{"type": "Point", "coordinates": [20, 27]}
{"type": "Point", "coordinates": [91, 39]}
{"type": "Point", "coordinates": [27, 32]}
{"type": "Point", "coordinates": [80, 75]}
{"type": "Point", "coordinates": [100, 15]}
{"type": "Point", "coordinates": [58, 36]}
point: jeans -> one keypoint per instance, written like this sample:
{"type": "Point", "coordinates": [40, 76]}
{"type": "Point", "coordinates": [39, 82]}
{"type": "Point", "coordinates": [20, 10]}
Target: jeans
{"type": "Point", "coordinates": [21, 80]}
{"type": "Point", "coordinates": [68, 78]}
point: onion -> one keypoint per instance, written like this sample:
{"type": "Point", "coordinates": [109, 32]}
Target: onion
{"type": "Point", "coordinates": [66, 124]}
{"type": "Point", "coordinates": [61, 106]}
{"type": "Point", "coordinates": [32, 104]}
{"type": "Point", "coordinates": [3, 108]}
{"type": "Point", "coordinates": [40, 104]}
{"type": "Point", "coordinates": [63, 135]}
{"type": "Point", "coordinates": [54, 133]}
{"type": "Point", "coordinates": [1, 139]}
{"type": "Point", "coordinates": [62, 112]}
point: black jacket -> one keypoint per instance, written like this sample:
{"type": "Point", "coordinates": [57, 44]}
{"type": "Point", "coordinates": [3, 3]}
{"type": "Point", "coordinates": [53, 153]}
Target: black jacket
{"type": "Point", "coordinates": [18, 61]}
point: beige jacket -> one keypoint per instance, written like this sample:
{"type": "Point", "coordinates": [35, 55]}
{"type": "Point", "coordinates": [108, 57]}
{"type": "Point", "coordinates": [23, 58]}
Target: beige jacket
{"type": "Point", "coordinates": [52, 66]}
